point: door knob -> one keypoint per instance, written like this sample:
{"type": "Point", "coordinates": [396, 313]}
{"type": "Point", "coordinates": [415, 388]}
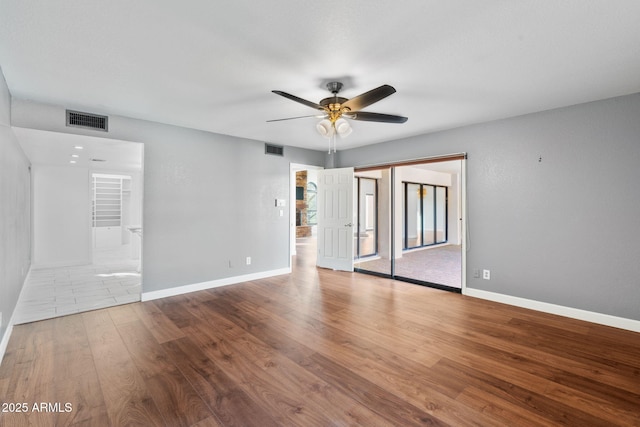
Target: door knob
{"type": "Point", "coordinates": [348, 225]}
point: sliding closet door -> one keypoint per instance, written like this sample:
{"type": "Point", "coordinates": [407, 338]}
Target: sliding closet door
{"type": "Point", "coordinates": [423, 258]}
{"type": "Point", "coordinates": [415, 243]}
{"type": "Point", "coordinates": [373, 239]}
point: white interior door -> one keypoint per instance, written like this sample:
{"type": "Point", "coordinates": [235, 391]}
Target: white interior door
{"type": "Point", "coordinates": [335, 219]}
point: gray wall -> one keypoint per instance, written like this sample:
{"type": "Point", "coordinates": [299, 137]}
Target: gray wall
{"type": "Point", "coordinates": [209, 199]}
{"type": "Point", "coordinates": [209, 202]}
{"type": "Point", "coordinates": [15, 232]}
{"type": "Point", "coordinates": [562, 230]}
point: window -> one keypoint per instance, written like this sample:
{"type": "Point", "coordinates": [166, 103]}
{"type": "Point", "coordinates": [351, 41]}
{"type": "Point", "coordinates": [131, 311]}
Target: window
{"type": "Point", "coordinates": [425, 215]}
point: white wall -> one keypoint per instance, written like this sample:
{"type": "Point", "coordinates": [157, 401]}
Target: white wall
{"type": "Point", "coordinates": [61, 216]}
{"type": "Point", "coordinates": [422, 176]}
{"type": "Point", "coordinates": [15, 229]}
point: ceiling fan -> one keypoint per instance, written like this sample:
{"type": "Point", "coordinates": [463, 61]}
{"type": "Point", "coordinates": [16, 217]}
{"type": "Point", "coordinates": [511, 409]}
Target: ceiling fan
{"type": "Point", "coordinates": [335, 109]}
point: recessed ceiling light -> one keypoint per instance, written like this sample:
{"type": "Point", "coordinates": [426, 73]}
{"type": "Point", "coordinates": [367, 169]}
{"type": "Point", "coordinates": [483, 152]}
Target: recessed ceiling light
{"type": "Point", "coordinates": [75, 155]}
{"type": "Point", "coordinates": [72, 161]}
{"type": "Point", "coordinates": [78, 147]}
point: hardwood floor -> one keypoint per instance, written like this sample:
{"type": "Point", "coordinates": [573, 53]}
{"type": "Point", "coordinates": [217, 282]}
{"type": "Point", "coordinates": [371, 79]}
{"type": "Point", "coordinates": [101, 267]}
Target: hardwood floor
{"type": "Point", "coordinates": [321, 348]}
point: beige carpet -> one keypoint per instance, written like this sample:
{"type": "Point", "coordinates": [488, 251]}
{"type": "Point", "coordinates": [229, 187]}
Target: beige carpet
{"type": "Point", "coordinates": [441, 265]}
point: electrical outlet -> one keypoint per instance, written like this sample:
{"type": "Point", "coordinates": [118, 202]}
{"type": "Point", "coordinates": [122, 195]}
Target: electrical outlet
{"type": "Point", "coordinates": [248, 261]}
{"type": "Point", "coordinates": [486, 274]}
{"type": "Point", "coordinates": [477, 274]}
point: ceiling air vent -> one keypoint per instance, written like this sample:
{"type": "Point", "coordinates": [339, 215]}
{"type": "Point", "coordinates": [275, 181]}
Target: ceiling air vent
{"type": "Point", "coordinates": [275, 150]}
{"type": "Point", "coordinates": [87, 121]}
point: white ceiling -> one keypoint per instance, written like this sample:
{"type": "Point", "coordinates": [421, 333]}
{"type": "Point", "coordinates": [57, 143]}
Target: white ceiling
{"type": "Point", "coordinates": [211, 65]}
{"type": "Point", "coordinates": [52, 148]}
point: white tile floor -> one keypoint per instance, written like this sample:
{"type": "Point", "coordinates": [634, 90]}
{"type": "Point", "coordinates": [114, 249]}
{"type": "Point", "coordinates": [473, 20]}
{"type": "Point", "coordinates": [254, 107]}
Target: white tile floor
{"type": "Point", "coordinates": [54, 292]}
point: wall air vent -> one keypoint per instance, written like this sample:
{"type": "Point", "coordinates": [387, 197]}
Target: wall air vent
{"type": "Point", "coordinates": [87, 121]}
{"type": "Point", "coordinates": [274, 150]}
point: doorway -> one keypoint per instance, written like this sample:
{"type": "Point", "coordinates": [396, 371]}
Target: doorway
{"type": "Point", "coordinates": [69, 272]}
{"type": "Point", "coordinates": [303, 213]}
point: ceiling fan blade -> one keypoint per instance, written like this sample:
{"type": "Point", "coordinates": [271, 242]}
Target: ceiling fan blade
{"type": "Point", "coordinates": [375, 117]}
{"type": "Point", "coordinates": [317, 116]}
{"type": "Point", "coordinates": [300, 100]}
{"type": "Point", "coordinates": [368, 98]}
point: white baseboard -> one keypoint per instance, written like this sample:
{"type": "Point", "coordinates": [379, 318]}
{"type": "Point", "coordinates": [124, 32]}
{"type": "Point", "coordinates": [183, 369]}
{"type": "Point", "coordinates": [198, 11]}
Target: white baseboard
{"type": "Point", "coordinates": [574, 313]}
{"type": "Point", "coordinates": [7, 333]}
{"type": "Point", "coordinates": [185, 289]}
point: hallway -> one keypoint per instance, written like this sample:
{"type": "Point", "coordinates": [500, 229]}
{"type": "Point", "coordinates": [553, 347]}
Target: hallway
{"type": "Point", "coordinates": [55, 292]}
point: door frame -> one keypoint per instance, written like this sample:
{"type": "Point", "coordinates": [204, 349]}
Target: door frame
{"type": "Point", "coordinates": [358, 209]}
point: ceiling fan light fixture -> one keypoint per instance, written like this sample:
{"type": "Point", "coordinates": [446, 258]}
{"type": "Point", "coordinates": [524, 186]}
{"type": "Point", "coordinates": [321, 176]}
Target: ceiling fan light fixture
{"type": "Point", "coordinates": [343, 128]}
{"type": "Point", "coordinates": [325, 128]}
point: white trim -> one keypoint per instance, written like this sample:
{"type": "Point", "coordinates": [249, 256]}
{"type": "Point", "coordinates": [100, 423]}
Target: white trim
{"type": "Point", "coordinates": [463, 223]}
{"type": "Point", "coordinates": [185, 289]}
{"type": "Point", "coordinates": [574, 313]}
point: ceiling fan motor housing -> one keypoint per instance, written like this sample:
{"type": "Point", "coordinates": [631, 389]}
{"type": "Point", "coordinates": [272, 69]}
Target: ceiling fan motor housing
{"type": "Point", "coordinates": [333, 104]}
{"type": "Point", "coordinates": [333, 100]}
